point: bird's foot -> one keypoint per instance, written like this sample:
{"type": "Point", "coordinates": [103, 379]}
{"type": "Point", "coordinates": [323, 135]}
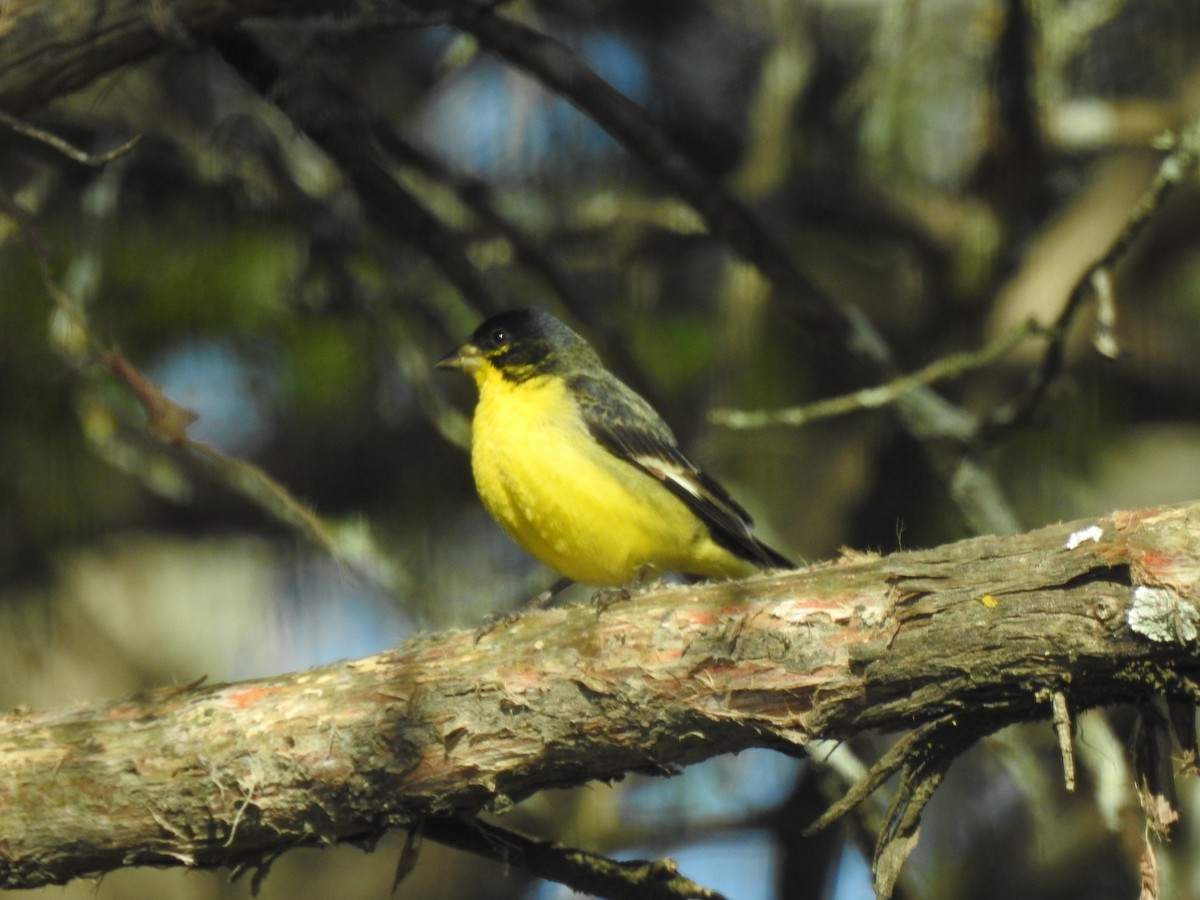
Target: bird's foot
{"type": "Point", "coordinates": [647, 579]}
{"type": "Point", "coordinates": [608, 596]}
{"type": "Point", "coordinates": [544, 599]}
{"type": "Point", "coordinates": [492, 621]}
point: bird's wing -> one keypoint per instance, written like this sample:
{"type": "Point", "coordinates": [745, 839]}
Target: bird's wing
{"type": "Point", "coordinates": [629, 428]}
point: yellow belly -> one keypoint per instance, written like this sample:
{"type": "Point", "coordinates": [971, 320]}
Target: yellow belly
{"type": "Point", "coordinates": [573, 505]}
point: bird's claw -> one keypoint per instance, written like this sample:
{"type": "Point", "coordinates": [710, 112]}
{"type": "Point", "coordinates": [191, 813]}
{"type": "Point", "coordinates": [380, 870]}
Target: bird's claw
{"type": "Point", "coordinates": [539, 601]}
{"type": "Point", "coordinates": [492, 621]}
{"type": "Point", "coordinates": [606, 597]}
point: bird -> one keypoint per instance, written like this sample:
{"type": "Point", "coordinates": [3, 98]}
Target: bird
{"type": "Point", "coordinates": [583, 473]}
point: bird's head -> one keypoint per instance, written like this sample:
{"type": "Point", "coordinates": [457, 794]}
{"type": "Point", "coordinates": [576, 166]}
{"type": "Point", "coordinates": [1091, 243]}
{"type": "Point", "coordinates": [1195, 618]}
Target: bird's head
{"type": "Point", "coordinates": [520, 344]}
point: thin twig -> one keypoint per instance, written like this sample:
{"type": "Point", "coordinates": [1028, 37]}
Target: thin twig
{"type": "Point", "coordinates": [409, 854]}
{"type": "Point", "coordinates": [476, 195]}
{"type": "Point", "coordinates": [1062, 728]}
{"type": "Point", "coordinates": [881, 770]}
{"type": "Point", "coordinates": [946, 367]}
{"type": "Point", "coordinates": [581, 870]}
{"type": "Point", "coordinates": [94, 160]}
{"type": "Point", "coordinates": [1096, 283]}
{"type": "Point", "coordinates": [925, 765]}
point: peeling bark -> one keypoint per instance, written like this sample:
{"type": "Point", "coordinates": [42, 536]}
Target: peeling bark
{"type": "Point", "coordinates": [973, 633]}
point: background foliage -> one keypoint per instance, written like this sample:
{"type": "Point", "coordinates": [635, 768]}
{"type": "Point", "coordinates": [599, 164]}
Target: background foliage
{"type": "Point", "coordinates": [319, 207]}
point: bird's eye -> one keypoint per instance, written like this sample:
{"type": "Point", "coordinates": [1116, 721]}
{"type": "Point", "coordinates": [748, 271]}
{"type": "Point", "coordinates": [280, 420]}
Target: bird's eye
{"type": "Point", "coordinates": [498, 337]}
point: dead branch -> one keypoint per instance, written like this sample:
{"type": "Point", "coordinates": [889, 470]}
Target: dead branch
{"type": "Point", "coordinates": [1096, 284]}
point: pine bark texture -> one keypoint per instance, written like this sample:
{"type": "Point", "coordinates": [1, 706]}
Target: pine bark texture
{"type": "Point", "coordinates": [983, 631]}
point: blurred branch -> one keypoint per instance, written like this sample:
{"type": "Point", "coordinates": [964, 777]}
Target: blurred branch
{"type": "Point", "coordinates": [926, 415]}
{"type": "Point", "coordinates": [1016, 165]}
{"type": "Point", "coordinates": [396, 211]}
{"type": "Point", "coordinates": [559, 68]}
{"type": "Point", "coordinates": [167, 423]}
{"type": "Point", "coordinates": [476, 195]}
{"type": "Point", "coordinates": [954, 642]}
{"type": "Point", "coordinates": [951, 366]}
{"type": "Point", "coordinates": [884, 82]}
{"type": "Point", "coordinates": [363, 146]}
{"type": "Point", "coordinates": [344, 132]}
{"type": "Point", "coordinates": [1096, 283]}
{"type": "Point", "coordinates": [49, 49]}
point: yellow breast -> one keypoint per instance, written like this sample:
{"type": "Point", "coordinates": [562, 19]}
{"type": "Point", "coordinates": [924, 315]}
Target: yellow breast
{"type": "Point", "coordinates": [572, 504]}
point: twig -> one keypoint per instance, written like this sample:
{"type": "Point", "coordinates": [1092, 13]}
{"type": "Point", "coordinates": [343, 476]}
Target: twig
{"type": "Point", "coordinates": [951, 366]}
{"type": "Point", "coordinates": [1104, 337]}
{"type": "Point", "coordinates": [1155, 777]}
{"type": "Point", "coordinates": [1148, 867]}
{"type": "Point", "coordinates": [168, 421]}
{"type": "Point", "coordinates": [409, 854]}
{"type": "Point", "coordinates": [922, 756]}
{"type": "Point", "coordinates": [1062, 728]}
{"type": "Point", "coordinates": [1154, 769]}
{"type": "Point", "coordinates": [94, 160]}
{"type": "Point", "coordinates": [1096, 283]}
{"type": "Point", "coordinates": [476, 195]}
{"type": "Point", "coordinates": [881, 770]}
{"type": "Point", "coordinates": [581, 870]}
{"type": "Point", "coordinates": [925, 765]}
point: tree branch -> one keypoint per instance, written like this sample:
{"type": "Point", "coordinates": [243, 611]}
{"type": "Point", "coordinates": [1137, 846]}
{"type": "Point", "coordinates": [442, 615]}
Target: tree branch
{"type": "Point", "coordinates": [51, 48]}
{"type": "Point", "coordinates": [1096, 283]}
{"type": "Point", "coordinates": [585, 872]}
{"type": "Point", "coordinates": [971, 633]}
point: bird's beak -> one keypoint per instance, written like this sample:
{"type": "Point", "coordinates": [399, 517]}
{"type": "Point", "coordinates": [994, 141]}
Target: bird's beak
{"type": "Point", "coordinates": [465, 359]}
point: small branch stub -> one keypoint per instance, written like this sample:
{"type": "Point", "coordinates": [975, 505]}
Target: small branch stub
{"type": "Point", "coordinates": [1062, 728]}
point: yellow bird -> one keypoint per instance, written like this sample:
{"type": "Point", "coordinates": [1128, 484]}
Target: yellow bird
{"type": "Point", "coordinates": [582, 472]}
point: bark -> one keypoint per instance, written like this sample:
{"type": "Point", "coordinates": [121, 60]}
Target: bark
{"type": "Point", "coordinates": [982, 632]}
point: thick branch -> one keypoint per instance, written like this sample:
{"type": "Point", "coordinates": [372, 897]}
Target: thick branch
{"type": "Point", "coordinates": [212, 775]}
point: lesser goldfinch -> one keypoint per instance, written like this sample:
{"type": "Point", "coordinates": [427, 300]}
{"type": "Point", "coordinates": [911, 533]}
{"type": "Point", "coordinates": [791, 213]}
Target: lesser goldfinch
{"type": "Point", "coordinates": [582, 472]}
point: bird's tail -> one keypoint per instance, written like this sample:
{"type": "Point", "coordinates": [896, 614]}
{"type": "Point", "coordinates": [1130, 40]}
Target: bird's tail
{"type": "Point", "coordinates": [772, 558]}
